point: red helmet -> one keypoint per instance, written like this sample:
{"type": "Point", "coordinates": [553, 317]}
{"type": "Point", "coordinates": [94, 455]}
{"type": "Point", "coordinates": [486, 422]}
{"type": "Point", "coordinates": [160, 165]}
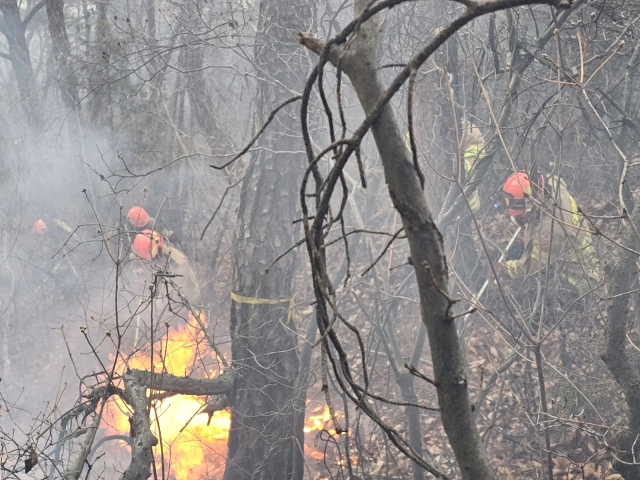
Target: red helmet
{"type": "Point", "coordinates": [516, 188]}
{"type": "Point", "coordinates": [40, 228]}
{"type": "Point", "coordinates": [138, 217]}
{"type": "Point", "coordinates": [147, 243]}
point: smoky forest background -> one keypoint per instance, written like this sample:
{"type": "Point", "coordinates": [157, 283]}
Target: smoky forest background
{"type": "Point", "coordinates": [327, 283]}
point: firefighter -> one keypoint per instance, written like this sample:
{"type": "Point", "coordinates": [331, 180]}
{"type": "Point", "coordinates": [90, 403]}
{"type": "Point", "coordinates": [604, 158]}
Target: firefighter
{"type": "Point", "coordinates": [467, 260]}
{"type": "Point", "coordinates": [140, 220]}
{"type": "Point", "coordinates": [147, 244]}
{"type": "Point", "coordinates": [150, 246]}
{"type": "Point", "coordinates": [57, 229]}
{"type": "Point", "coordinates": [40, 228]}
{"type": "Point", "coordinates": [555, 234]}
{"type": "Point", "coordinates": [52, 237]}
{"type": "Point", "coordinates": [472, 151]}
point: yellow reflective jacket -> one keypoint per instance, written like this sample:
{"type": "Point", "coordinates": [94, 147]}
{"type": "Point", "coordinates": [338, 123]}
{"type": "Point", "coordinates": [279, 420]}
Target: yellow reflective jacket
{"type": "Point", "coordinates": [557, 235]}
{"type": "Point", "coordinates": [472, 153]}
{"type": "Point", "coordinates": [176, 262]}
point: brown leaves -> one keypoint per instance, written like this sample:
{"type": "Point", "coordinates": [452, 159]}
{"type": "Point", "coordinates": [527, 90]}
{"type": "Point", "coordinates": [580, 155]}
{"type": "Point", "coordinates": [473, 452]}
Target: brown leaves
{"type": "Point", "coordinates": [564, 469]}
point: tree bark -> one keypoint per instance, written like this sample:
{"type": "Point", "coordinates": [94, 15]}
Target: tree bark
{"type": "Point", "coordinates": [143, 439]}
{"type": "Point", "coordinates": [62, 54]}
{"type": "Point", "coordinates": [13, 28]}
{"type": "Point", "coordinates": [186, 385]}
{"type": "Point", "coordinates": [616, 355]}
{"type": "Point", "coordinates": [264, 340]}
{"type": "Point", "coordinates": [200, 101]}
{"type": "Point", "coordinates": [427, 251]}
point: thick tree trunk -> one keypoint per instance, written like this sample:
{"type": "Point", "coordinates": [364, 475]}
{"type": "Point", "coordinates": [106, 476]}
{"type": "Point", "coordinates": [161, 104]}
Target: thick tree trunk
{"type": "Point", "coordinates": [616, 354]}
{"type": "Point", "coordinates": [13, 28]}
{"type": "Point", "coordinates": [264, 340]}
{"type": "Point", "coordinates": [62, 54]}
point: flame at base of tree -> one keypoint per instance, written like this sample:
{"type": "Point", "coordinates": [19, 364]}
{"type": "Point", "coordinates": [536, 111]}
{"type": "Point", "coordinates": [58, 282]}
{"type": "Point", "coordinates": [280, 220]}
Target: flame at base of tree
{"type": "Point", "coordinates": [188, 448]}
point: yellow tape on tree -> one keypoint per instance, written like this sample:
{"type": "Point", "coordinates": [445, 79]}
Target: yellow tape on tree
{"type": "Point", "coordinates": [266, 301]}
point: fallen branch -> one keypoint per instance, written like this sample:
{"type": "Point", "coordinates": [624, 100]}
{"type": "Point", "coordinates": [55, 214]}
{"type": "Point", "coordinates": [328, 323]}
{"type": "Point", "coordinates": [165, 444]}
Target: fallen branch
{"type": "Point", "coordinates": [185, 385]}
{"type": "Point", "coordinates": [135, 382]}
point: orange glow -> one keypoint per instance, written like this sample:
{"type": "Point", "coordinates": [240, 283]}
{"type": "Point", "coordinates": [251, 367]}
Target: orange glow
{"type": "Point", "coordinates": [191, 449]}
{"type": "Point", "coordinates": [201, 315]}
{"type": "Point", "coordinates": [354, 461]}
{"type": "Point", "coordinates": [313, 453]}
{"type": "Point", "coordinates": [318, 421]}
{"type": "Point", "coordinates": [321, 421]}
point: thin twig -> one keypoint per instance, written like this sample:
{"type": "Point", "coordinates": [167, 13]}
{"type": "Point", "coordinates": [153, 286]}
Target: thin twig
{"type": "Point", "coordinates": [260, 132]}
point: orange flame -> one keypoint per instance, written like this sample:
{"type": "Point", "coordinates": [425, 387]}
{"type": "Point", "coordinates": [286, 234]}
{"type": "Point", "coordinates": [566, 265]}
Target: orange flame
{"type": "Point", "coordinates": [321, 421]}
{"type": "Point", "coordinates": [317, 421]}
{"type": "Point", "coordinates": [190, 448]}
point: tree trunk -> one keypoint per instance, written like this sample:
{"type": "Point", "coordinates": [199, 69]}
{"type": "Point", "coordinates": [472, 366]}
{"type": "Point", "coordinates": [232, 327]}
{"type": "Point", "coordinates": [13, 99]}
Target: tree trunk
{"type": "Point", "coordinates": [62, 55]}
{"type": "Point", "coordinates": [427, 250]}
{"type": "Point", "coordinates": [264, 340]}
{"type": "Point", "coordinates": [143, 439]}
{"type": "Point", "coordinates": [616, 355]}
{"type": "Point", "coordinates": [13, 28]}
{"type": "Point", "coordinates": [200, 101]}
{"type": "Point", "coordinates": [300, 389]}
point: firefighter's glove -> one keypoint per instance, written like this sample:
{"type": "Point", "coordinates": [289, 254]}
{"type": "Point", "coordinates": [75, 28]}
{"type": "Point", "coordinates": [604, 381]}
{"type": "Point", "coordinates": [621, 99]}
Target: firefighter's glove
{"type": "Point", "coordinates": [516, 251]}
{"type": "Point", "coordinates": [512, 268]}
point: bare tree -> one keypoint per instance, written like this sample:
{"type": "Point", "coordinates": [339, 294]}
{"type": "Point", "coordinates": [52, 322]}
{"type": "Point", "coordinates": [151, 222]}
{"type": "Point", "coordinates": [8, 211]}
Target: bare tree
{"type": "Point", "coordinates": [359, 61]}
{"type": "Point", "coordinates": [62, 57]}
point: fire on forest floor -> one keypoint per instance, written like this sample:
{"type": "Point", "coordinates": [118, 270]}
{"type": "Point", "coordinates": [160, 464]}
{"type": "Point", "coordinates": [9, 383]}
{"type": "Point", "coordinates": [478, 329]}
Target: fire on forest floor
{"type": "Point", "coordinates": [189, 448]}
